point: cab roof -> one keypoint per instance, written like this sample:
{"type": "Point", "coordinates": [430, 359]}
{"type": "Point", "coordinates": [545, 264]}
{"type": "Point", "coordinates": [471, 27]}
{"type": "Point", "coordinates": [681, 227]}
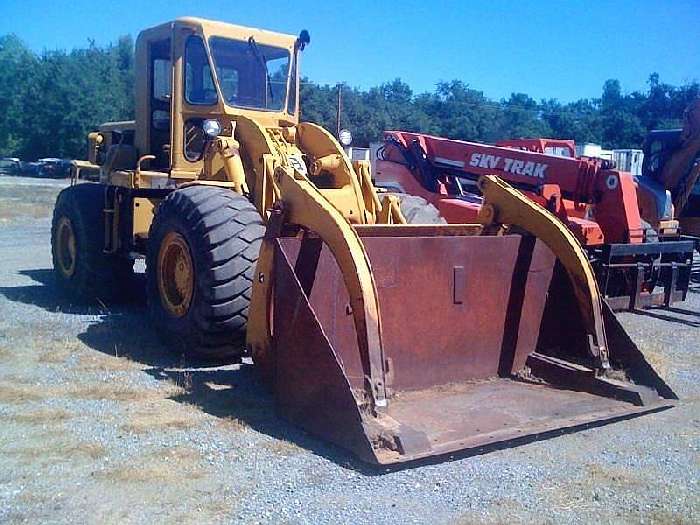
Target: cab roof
{"type": "Point", "coordinates": [224, 29]}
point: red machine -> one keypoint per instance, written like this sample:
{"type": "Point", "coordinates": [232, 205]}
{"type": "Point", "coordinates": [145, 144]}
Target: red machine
{"type": "Point", "coordinates": [557, 147]}
{"type": "Point", "coordinates": [598, 203]}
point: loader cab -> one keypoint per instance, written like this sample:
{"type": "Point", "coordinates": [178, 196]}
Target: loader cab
{"type": "Point", "coordinates": [658, 147]}
{"type": "Point", "coordinates": [201, 75]}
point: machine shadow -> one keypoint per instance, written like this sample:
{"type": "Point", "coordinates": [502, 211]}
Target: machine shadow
{"type": "Point", "coordinates": [45, 295]}
{"type": "Point", "coordinates": [228, 392]}
{"type": "Point", "coordinates": [695, 279]}
{"type": "Point", "coordinates": [682, 311]}
{"type": "Point", "coordinates": [234, 392]}
{"type": "Point", "coordinates": [657, 314]}
{"type": "Point", "coordinates": [118, 329]}
{"type": "Point", "coordinates": [238, 393]}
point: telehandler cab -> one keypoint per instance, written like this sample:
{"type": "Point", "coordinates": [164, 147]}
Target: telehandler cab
{"type": "Point", "coordinates": [261, 238]}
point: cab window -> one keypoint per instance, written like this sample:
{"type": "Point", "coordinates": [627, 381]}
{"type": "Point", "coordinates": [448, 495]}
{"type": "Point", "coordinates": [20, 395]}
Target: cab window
{"type": "Point", "coordinates": [199, 83]}
{"type": "Point", "coordinates": [161, 79]}
{"type": "Point", "coordinates": [160, 94]}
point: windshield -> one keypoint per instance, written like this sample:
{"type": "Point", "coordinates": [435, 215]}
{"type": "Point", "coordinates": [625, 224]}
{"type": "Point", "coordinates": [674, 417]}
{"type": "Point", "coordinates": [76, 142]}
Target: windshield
{"type": "Point", "coordinates": [251, 75]}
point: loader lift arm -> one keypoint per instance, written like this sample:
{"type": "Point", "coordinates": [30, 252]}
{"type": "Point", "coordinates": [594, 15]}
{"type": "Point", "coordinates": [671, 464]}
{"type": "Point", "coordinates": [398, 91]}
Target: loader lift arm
{"type": "Point", "coordinates": [304, 206]}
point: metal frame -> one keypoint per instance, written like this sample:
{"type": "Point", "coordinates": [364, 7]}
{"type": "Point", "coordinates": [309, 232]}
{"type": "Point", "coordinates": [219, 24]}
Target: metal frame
{"type": "Point", "coordinates": [667, 264]}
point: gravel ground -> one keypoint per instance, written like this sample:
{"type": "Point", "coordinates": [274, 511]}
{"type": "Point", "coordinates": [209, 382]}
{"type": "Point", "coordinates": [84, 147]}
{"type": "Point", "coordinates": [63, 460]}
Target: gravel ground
{"type": "Point", "coordinates": [101, 424]}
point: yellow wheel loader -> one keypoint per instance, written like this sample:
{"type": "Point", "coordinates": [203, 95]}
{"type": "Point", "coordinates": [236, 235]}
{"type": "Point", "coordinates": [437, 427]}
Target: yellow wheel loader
{"type": "Point", "coordinates": [262, 238]}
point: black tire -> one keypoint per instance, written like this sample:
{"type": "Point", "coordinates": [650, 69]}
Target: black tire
{"type": "Point", "coordinates": [223, 232]}
{"type": "Point", "coordinates": [95, 277]}
{"type": "Point", "coordinates": [417, 210]}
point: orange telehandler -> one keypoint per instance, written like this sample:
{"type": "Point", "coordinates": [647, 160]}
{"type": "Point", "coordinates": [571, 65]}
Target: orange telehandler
{"type": "Point", "coordinates": [637, 263]}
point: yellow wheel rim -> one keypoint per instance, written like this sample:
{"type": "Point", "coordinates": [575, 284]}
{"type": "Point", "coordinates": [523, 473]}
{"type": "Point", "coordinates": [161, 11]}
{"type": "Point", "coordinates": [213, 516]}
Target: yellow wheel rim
{"type": "Point", "coordinates": [175, 274]}
{"type": "Point", "coordinates": [65, 247]}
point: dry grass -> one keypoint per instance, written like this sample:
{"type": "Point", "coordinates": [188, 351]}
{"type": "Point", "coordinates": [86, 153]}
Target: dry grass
{"type": "Point", "coordinates": [495, 513]}
{"type": "Point", "coordinates": [217, 387]}
{"type": "Point", "coordinates": [32, 498]}
{"type": "Point", "coordinates": [91, 450]}
{"type": "Point", "coordinates": [14, 390]}
{"type": "Point", "coordinates": [118, 392]}
{"type": "Point", "coordinates": [607, 475]}
{"type": "Point", "coordinates": [171, 465]}
{"type": "Point", "coordinates": [20, 210]}
{"type": "Point", "coordinates": [58, 351]}
{"type": "Point", "coordinates": [282, 447]}
{"type": "Point", "coordinates": [54, 356]}
{"type": "Point", "coordinates": [27, 201]}
{"type": "Point", "coordinates": [657, 357]}
{"type": "Point", "coordinates": [100, 362]}
{"type": "Point", "coordinates": [107, 391]}
{"type": "Point", "coordinates": [231, 424]}
{"type": "Point", "coordinates": [662, 517]}
{"type": "Point", "coordinates": [660, 364]}
{"type": "Point", "coordinates": [576, 494]}
{"type": "Point", "coordinates": [40, 417]}
{"type": "Point", "coordinates": [13, 393]}
{"type": "Point", "coordinates": [87, 360]}
{"type": "Point", "coordinates": [57, 451]}
{"type": "Point", "coordinates": [164, 416]}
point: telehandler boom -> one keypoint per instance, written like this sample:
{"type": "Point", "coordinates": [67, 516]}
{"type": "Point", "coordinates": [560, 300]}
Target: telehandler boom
{"type": "Point", "coordinates": [638, 263]}
{"type": "Point", "coordinates": [261, 238]}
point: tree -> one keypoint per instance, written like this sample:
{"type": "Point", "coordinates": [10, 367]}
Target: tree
{"type": "Point", "coordinates": [50, 102]}
{"type": "Point", "coordinates": [621, 127]}
{"type": "Point", "coordinates": [522, 118]}
{"type": "Point", "coordinates": [20, 67]}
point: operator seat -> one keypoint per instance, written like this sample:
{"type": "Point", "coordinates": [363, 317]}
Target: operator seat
{"type": "Point", "coordinates": [120, 157]}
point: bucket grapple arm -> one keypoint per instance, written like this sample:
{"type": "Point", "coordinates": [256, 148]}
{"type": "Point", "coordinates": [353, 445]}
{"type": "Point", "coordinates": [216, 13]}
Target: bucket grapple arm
{"type": "Point", "coordinates": [305, 207]}
{"type": "Point", "coordinates": [505, 205]}
{"type": "Point", "coordinates": [609, 345]}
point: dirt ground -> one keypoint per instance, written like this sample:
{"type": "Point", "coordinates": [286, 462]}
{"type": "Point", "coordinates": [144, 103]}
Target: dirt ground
{"type": "Point", "coordinates": [103, 424]}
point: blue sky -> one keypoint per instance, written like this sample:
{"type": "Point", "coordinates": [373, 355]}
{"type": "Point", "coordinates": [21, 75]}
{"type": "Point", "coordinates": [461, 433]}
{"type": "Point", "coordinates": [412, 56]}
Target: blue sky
{"type": "Point", "coordinates": [556, 49]}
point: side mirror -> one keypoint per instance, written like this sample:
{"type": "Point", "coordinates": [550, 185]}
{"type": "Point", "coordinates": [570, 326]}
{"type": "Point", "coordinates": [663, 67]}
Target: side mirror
{"type": "Point", "coordinates": [303, 40]}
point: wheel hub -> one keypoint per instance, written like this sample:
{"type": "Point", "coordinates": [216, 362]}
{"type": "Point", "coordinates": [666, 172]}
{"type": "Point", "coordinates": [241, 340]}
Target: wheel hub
{"type": "Point", "coordinates": [65, 247]}
{"type": "Point", "coordinates": [175, 274]}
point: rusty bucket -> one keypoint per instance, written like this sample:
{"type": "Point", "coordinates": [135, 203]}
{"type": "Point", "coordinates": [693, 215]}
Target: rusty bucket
{"type": "Point", "coordinates": [464, 362]}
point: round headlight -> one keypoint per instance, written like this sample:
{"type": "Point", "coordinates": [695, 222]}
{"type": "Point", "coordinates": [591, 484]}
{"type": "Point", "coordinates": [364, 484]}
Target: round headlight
{"type": "Point", "coordinates": [211, 127]}
{"type": "Point", "coordinates": [345, 137]}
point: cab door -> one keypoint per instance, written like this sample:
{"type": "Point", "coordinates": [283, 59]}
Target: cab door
{"type": "Point", "coordinates": [195, 98]}
{"type": "Point", "coordinates": [160, 95]}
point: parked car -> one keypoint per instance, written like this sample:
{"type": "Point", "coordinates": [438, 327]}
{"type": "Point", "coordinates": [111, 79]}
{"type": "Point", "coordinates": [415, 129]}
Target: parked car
{"type": "Point", "coordinates": [53, 168]}
{"type": "Point", "coordinates": [30, 169]}
{"type": "Point", "coordinates": [10, 166]}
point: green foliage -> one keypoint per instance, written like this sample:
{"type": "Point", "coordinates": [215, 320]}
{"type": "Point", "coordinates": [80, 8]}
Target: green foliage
{"type": "Point", "coordinates": [49, 102]}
